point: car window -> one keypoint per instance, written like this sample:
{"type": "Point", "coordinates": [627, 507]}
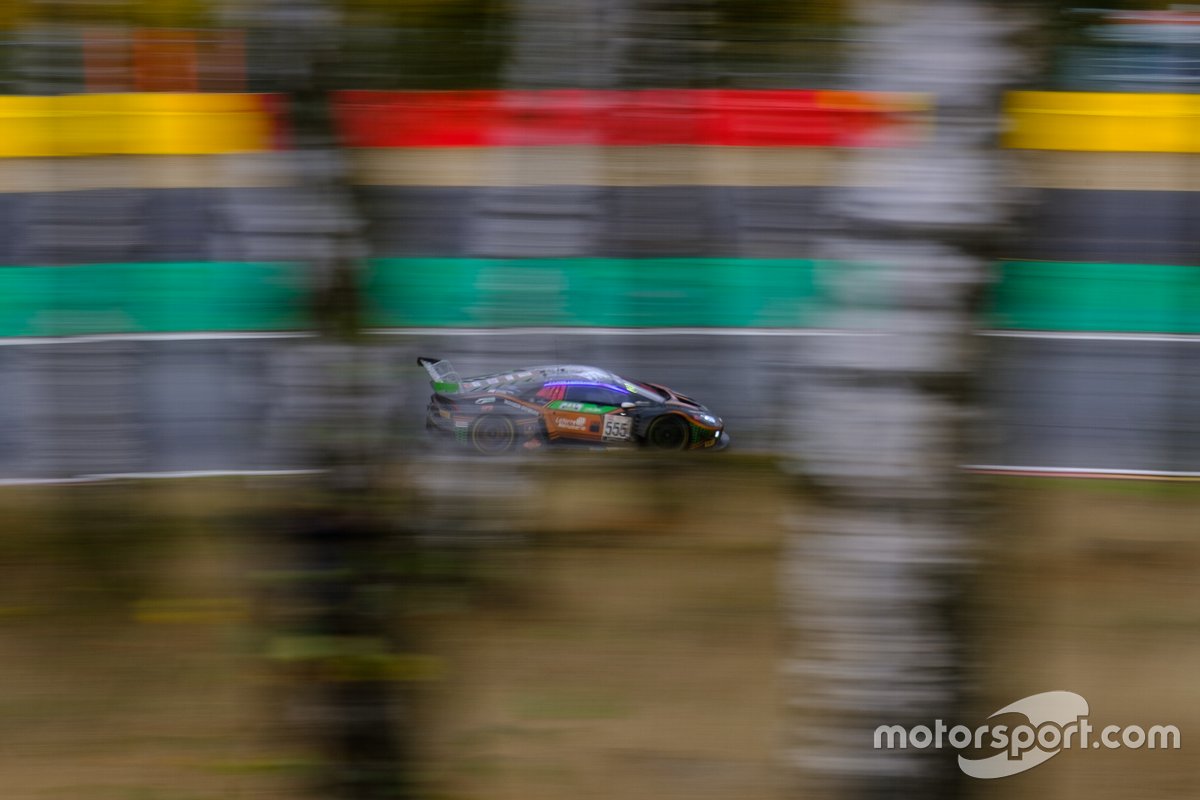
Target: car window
{"type": "Point", "coordinates": [597, 395]}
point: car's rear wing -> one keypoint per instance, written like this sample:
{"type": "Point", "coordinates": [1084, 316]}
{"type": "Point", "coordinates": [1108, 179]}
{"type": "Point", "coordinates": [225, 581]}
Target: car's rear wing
{"type": "Point", "coordinates": [442, 375]}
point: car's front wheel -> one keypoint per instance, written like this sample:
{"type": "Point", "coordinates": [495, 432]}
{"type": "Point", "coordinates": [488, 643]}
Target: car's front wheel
{"type": "Point", "coordinates": [668, 433]}
{"type": "Point", "coordinates": [493, 434]}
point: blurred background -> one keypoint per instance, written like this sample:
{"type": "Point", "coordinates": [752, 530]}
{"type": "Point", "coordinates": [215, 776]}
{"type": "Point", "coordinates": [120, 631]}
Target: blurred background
{"type": "Point", "coordinates": [935, 263]}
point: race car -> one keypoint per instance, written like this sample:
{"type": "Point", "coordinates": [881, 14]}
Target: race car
{"type": "Point", "coordinates": [564, 404]}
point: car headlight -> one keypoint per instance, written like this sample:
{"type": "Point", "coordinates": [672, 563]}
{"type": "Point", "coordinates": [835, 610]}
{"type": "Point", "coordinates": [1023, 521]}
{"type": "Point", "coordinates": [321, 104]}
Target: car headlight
{"type": "Point", "coordinates": [708, 419]}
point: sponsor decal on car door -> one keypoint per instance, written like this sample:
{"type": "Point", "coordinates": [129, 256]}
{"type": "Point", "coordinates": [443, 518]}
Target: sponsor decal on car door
{"type": "Point", "coordinates": [574, 424]}
{"type": "Point", "coordinates": [573, 421]}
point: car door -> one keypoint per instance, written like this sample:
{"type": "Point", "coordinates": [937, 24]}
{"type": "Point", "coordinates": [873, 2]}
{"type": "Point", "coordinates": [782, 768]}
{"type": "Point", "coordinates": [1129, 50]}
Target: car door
{"type": "Point", "coordinates": [590, 412]}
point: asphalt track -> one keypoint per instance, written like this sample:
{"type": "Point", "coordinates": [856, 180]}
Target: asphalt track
{"type": "Point", "coordinates": [217, 404]}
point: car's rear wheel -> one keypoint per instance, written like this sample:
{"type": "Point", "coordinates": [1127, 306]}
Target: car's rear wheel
{"type": "Point", "coordinates": [493, 434]}
{"type": "Point", "coordinates": [668, 433]}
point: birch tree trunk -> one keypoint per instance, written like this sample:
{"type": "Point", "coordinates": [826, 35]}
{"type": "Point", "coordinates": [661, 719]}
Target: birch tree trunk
{"type": "Point", "coordinates": [874, 576]}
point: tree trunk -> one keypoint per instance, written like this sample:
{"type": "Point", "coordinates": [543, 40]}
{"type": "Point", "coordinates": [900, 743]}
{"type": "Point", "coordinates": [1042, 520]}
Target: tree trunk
{"type": "Point", "coordinates": [875, 575]}
{"type": "Point", "coordinates": [336, 625]}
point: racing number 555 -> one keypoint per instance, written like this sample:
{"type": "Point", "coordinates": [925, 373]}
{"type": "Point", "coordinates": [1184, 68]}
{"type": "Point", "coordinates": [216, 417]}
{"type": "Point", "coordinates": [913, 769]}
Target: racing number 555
{"type": "Point", "coordinates": [617, 427]}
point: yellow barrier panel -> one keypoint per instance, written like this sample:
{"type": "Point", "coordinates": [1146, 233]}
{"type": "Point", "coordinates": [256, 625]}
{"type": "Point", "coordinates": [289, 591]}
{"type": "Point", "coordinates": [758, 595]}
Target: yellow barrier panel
{"type": "Point", "coordinates": [171, 124]}
{"type": "Point", "coordinates": [1098, 121]}
{"type": "Point", "coordinates": [27, 127]}
{"type": "Point", "coordinates": [133, 124]}
{"type": "Point", "coordinates": [87, 124]}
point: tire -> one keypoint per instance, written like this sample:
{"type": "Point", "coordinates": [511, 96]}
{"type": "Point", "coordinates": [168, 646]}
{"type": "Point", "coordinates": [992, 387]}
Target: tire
{"type": "Point", "coordinates": [492, 434]}
{"type": "Point", "coordinates": [668, 433]}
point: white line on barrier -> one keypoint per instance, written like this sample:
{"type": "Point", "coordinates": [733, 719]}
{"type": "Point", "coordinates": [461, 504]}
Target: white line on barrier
{"type": "Point", "coordinates": [1083, 472]}
{"type": "Point", "coordinates": [601, 331]}
{"type": "Point", "coordinates": [192, 336]}
{"type": "Point", "coordinates": [1096, 336]}
{"type": "Point", "coordinates": [188, 336]}
{"type": "Point", "coordinates": [138, 476]}
{"type": "Point", "coordinates": [986, 469]}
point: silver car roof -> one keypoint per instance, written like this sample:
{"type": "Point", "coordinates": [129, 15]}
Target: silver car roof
{"type": "Point", "coordinates": [542, 374]}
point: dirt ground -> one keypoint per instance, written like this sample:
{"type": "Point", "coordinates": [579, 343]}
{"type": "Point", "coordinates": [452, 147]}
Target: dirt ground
{"type": "Point", "coordinates": [624, 642]}
{"type": "Point", "coordinates": [1094, 587]}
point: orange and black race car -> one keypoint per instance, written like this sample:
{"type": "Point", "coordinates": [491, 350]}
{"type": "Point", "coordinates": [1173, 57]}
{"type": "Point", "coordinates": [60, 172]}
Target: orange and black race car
{"type": "Point", "coordinates": [564, 403]}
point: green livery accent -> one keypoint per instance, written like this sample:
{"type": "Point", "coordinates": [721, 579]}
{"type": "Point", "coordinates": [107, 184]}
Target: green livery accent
{"type": "Point", "coordinates": [443, 387]}
{"type": "Point", "coordinates": [582, 408]}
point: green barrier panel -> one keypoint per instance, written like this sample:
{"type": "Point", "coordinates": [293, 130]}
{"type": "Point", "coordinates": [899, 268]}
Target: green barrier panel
{"type": "Point", "coordinates": [104, 298]}
{"type": "Point", "coordinates": [765, 293]}
{"type": "Point", "coordinates": [669, 292]}
{"type": "Point", "coordinates": [674, 292]}
{"type": "Point", "coordinates": [1053, 295]}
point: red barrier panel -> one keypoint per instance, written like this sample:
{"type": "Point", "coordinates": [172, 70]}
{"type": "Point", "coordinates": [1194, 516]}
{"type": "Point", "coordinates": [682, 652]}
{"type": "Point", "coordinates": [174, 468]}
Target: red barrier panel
{"type": "Point", "coordinates": [277, 112]}
{"type": "Point", "coordinates": [660, 116]}
{"type": "Point", "coordinates": [772, 118]}
{"type": "Point", "coordinates": [876, 119]}
{"type": "Point", "coordinates": [747, 118]}
{"type": "Point", "coordinates": [417, 119]}
{"type": "Point", "coordinates": [797, 118]}
{"type": "Point", "coordinates": [552, 117]}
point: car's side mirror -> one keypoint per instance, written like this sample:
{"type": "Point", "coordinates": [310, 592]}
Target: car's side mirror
{"type": "Point", "coordinates": [627, 405]}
